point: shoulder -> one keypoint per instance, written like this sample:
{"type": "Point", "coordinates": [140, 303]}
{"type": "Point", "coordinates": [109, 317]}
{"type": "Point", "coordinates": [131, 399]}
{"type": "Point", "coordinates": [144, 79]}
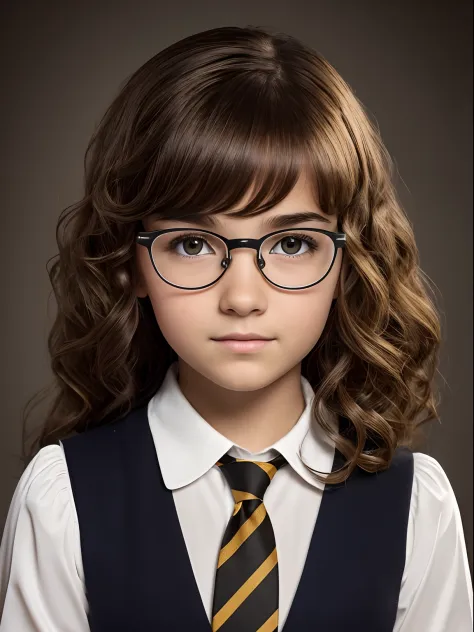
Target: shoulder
{"type": "Point", "coordinates": [435, 519]}
{"type": "Point", "coordinates": [41, 572]}
{"type": "Point", "coordinates": [436, 549]}
{"type": "Point", "coordinates": [42, 506]}
{"type": "Point", "coordinates": [433, 494]}
{"type": "Point", "coordinates": [45, 480]}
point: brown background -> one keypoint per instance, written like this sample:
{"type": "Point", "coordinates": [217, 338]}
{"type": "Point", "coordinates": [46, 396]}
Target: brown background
{"type": "Point", "coordinates": [61, 64]}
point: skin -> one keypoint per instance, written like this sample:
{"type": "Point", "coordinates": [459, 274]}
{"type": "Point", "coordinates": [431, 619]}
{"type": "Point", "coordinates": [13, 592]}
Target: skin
{"type": "Point", "coordinates": [253, 399]}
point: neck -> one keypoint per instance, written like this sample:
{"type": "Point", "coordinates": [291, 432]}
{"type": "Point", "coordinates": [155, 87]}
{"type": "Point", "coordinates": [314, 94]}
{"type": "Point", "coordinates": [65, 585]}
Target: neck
{"type": "Point", "coordinates": [252, 419]}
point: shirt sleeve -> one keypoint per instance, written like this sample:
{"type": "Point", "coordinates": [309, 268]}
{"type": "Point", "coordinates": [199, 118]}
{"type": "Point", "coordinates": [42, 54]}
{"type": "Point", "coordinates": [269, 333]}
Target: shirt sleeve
{"type": "Point", "coordinates": [41, 578]}
{"type": "Point", "coordinates": [436, 590]}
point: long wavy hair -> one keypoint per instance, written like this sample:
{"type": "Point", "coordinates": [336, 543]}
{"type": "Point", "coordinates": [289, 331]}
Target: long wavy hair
{"type": "Point", "coordinates": [192, 131]}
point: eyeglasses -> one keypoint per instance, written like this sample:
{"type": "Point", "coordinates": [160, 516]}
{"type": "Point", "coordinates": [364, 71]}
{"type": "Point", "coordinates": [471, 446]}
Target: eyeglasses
{"type": "Point", "coordinates": [192, 259]}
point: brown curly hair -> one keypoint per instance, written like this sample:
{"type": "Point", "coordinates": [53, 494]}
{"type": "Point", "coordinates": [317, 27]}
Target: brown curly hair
{"type": "Point", "coordinates": [200, 124]}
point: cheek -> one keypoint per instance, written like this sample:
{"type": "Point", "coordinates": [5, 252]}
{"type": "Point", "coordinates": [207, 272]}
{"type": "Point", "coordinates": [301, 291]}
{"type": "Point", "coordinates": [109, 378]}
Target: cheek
{"type": "Point", "coordinates": [181, 319]}
{"type": "Point", "coordinates": [304, 317]}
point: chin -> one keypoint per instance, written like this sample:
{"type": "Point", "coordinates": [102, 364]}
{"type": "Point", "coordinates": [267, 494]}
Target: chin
{"type": "Point", "coordinates": [244, 374]}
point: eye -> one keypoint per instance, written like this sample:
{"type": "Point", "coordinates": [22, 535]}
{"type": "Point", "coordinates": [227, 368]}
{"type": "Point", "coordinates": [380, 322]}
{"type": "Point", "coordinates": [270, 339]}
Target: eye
{"type": "Point", "coordinates": [293, 244]}
{"type": "Point", "coordinates": [192, 243]}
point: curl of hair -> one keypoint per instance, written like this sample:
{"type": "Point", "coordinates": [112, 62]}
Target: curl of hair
{"type": "Point", "coordinates": [198, 126]}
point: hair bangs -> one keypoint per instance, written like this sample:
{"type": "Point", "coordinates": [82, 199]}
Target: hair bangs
{"type": "Point", "coordinates": [240, 147]}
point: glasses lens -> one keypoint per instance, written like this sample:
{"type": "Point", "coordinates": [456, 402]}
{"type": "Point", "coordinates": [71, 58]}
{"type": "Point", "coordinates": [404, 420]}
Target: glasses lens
{"type": "Point", "coordinates": [297, 258]}
{"type": "Point", "coordinates": [293, 259]}
{"type": "Point", "coordinates": [188, 258]}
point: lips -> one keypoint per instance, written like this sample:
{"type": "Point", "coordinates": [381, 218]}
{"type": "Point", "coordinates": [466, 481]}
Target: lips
{"type": "Point", "coordinates": [237, 336]}
{"type": "Point", "coordinates": [244, 346]}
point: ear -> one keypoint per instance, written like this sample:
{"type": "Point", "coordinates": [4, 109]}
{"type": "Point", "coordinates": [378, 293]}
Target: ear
{"type": "Point", "coordinates": [140, 292]}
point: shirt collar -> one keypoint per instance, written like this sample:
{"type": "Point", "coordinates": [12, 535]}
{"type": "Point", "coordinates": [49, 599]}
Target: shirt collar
{"type": "Point", "coordinates": [188, 446]}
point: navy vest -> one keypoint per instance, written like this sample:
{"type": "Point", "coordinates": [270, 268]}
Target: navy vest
{"type": "Point", "coordinates": [137, 571]}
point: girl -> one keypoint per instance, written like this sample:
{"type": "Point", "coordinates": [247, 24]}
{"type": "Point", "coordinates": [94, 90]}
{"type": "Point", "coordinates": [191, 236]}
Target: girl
{"type": "Point", "coordinates": [243, 352]}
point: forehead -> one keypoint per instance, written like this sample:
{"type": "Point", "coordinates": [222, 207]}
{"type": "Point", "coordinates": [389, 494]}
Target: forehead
{"type": "Point", "coordinates": [268, 220]}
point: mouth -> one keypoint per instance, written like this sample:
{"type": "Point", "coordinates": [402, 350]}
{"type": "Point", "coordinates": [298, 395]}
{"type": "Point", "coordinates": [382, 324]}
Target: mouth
{"type": "Point", "coordinates": [241, 336]}
{"type": "Point", "coordinates": [244, 345]}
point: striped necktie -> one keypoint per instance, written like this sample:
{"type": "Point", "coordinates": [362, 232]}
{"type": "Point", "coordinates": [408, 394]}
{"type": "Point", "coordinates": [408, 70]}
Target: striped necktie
{"type": "Point", "coordinates": [246, 582]}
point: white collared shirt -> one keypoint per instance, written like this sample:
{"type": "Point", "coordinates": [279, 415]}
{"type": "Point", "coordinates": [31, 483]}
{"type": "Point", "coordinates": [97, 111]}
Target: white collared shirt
{"type": "Point", "coordinates": [41, 574]}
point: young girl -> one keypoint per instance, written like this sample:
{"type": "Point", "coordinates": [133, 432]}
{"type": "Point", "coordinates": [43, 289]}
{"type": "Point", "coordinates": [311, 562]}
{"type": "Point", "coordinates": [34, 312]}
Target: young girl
{"type": "Point", "coordinates": [243, 352]}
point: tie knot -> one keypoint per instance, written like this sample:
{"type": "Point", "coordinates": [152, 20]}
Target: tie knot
{"type": "Point", "coordinates": [249, 480]}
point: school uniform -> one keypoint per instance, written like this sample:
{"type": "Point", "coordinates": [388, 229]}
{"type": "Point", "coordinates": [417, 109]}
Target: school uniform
{"type": "Point", "coordinates": [120, 528]}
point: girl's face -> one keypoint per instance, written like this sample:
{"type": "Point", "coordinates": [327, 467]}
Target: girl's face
{"type": "Point", "coordinates": [242, 301]}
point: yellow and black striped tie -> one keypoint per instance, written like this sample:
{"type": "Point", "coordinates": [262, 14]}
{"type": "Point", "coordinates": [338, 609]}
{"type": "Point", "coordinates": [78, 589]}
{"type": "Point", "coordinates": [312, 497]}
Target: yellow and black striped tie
{"type": "Point", "coordinates": [246, 585]}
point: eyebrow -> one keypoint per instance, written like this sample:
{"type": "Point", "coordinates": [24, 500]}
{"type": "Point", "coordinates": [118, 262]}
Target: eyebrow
{"type": "Point", "coordinates": [277, 221]}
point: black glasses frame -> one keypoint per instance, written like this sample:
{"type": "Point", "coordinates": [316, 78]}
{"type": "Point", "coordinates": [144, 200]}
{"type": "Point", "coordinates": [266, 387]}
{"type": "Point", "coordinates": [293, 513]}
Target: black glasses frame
{"type": "Point", "coordinates": [146, 238]}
